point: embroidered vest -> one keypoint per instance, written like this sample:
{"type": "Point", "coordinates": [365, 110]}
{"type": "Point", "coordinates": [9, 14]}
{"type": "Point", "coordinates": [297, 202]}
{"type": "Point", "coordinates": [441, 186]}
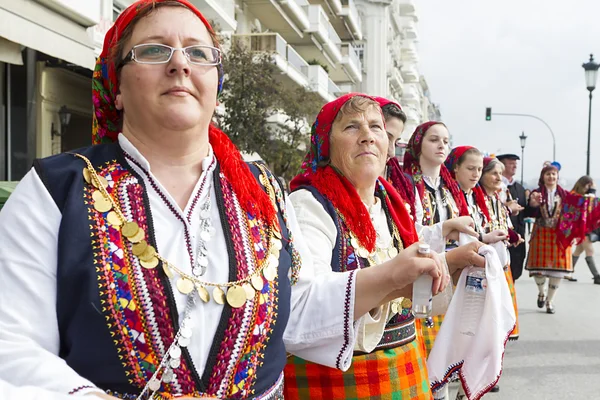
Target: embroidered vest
{"type": "Point", "coordinates": [400, 329]}
{"type": "Point", "coordinates": [116, 319]}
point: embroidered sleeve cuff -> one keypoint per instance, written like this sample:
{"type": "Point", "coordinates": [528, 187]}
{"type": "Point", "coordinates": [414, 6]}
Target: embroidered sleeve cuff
{"type": "Point", "coordinates": [325, 332]}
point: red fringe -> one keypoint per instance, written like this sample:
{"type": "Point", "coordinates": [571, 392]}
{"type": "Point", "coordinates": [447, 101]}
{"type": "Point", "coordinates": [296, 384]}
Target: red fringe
{"type": "Point", "coordinates": [400, 216]}
{"type": "Point", "coordinates": [346, 200]}
{"type": "Point", "coordinates": [451, 184]}
{"type": "Point", "coordinates": [481, 203]}
{"type": "Point", "coordinates": [250, 194]}
{"type": "Point", "coordinates": [401, 184]}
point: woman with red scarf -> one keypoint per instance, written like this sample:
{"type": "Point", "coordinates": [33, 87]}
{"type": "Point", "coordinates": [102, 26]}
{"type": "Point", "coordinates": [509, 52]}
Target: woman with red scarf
{"type": "Point", "coordinates": [548, 260]}
{"type": "Point", "coordinates": [355, 221]}
{"type": "Point", "coordinates": [156, 263]}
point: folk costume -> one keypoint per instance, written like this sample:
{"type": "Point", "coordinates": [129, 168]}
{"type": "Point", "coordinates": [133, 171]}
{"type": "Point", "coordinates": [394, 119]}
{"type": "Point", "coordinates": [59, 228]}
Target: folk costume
{"type": "Point", "coordinates": [108, 286]}
{"type": "Point", "coordinates": [562, 219]}
{"type": "Point", "coordinates": [547, 258]}
{"type": "Point", "coordinates": [435, 202]}
{"type": "Point", "coordinates": [389, 361]}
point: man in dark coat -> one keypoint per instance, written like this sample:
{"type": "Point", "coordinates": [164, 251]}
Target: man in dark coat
{"type": "Point", "coordinates": [515, 198]}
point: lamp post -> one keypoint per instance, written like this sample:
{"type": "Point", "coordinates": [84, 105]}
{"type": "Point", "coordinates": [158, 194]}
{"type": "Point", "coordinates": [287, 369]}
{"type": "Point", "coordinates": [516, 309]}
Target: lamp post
{"type": "Point", "coordinates": [591, 76]}
{"type": "Point", "coordinates": [523, 138]}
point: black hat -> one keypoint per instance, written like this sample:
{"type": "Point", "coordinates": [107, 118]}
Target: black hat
{"type": "Point", "coordinates": [508, 157]}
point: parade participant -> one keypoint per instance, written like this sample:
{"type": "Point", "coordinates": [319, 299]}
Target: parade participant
{"type": "Point", "coordinates": [395, 119]}
{"type": "Point", "coordinates": [158, 264]}
{"type": "Point", "coordinates": [357, 221]}
{"type": "Point", "coordinates": [585, 187]}
{"type": "Point", "coordinates": [499, 221]}
{"type": "Point", "coordinates": [547, 260]}
{"type": "Point", "coordinates": [514, 197]}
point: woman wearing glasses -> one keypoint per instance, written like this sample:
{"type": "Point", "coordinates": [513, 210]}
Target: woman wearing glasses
{"type": "Point", "coordinates": [157, 263]}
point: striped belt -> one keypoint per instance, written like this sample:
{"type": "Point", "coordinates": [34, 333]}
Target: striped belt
{"type": "Point", "coordinates": [399, 331]}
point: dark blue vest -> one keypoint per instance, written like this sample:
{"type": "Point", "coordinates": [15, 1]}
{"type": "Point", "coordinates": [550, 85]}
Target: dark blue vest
{"type": "Point", "coordinates": [87, 343]}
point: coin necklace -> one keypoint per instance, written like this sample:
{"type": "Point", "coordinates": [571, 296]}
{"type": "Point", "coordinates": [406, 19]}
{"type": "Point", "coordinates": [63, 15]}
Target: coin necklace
{"type": "Point", "coordinates": [235, 293]}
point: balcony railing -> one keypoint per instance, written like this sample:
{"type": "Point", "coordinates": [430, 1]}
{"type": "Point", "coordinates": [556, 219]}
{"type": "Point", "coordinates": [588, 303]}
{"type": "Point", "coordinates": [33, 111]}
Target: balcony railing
{"type": "Point", "coordinates": [352, 60]}
{"type": "Point", "coordinates": [324, 32]}
{"type": "Point", "coordinates": [350, 13]}
{"type": "Point", "coordinates": [296, 61]}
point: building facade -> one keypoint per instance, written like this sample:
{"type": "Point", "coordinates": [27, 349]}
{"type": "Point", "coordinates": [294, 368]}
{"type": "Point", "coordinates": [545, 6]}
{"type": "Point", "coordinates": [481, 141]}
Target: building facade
{"type": "Point", "coordinates": [331, 47]}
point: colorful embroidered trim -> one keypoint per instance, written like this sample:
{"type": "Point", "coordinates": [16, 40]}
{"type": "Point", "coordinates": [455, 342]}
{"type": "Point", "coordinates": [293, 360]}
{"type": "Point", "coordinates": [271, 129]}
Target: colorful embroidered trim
{"type": "Point", "coordinates": [347, 322]}
{"type": "Point", "coordinates": [80, 388]}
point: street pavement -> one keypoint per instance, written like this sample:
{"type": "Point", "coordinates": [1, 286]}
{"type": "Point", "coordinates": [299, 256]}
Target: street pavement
{"type": "Point", "coordinates": [557, 356]}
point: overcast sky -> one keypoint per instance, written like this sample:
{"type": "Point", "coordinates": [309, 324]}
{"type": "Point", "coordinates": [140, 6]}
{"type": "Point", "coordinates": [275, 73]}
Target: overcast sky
{"type": "Point", "coordinates": [516, 56]}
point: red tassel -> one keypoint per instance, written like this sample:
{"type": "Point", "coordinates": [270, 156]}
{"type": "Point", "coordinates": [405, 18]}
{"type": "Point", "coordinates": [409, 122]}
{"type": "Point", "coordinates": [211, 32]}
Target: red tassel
{"type": "Point", "coordinates": [250, 194]}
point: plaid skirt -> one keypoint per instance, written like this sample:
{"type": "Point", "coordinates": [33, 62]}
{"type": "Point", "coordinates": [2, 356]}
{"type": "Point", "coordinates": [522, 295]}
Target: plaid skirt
{"type": "Point", "coordinates": [392, 374]}
{"type": "Point", "coordinates": [514, 335]}
{"type": "Point", "coordinates": [545, 255]}
{"type": "Point", "coordinates": [429, 334]}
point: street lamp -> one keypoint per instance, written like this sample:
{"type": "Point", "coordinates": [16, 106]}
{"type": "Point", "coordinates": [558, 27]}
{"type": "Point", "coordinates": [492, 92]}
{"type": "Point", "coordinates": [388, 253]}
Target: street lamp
{"type": "Point", "coordinates": [523, 138]}
{"type": "Point", "coordinates": [591, 76]}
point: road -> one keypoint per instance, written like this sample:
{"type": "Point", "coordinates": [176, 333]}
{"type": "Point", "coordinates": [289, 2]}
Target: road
{"type": "Point", "coordinates": [557, 356]}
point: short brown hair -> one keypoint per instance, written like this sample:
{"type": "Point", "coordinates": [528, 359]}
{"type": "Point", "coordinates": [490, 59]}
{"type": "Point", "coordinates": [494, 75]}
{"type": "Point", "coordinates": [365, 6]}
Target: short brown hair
{"type": "Point", "coordinates": [116, 53]}
{"type": "Point", "coordinates": [356, 105]}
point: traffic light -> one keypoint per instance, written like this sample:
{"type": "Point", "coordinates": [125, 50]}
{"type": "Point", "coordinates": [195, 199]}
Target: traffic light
{"type": "Point", "coordinates": [488, 113]}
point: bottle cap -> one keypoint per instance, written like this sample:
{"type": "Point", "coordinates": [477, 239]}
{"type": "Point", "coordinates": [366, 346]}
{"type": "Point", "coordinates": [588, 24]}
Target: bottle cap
{"type": "Point", "coordinates": [424, 248]}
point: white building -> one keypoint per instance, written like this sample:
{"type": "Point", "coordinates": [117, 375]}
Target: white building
{"type": "Point", "coordinates": [48, 50]}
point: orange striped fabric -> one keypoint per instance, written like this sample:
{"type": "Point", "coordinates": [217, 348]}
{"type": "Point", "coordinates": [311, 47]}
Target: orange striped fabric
{"type": "Point", "coordinates": [429, 334]}
{"type": "Point", "coordinates": [545, 254]}
{"type": "Point", "coordinates": [392, 374]}
{"type": "Point", "coordinates": [514, 335]}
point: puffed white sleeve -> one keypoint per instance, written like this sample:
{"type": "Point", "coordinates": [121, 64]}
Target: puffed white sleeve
{"type": "Point", "coordinates": [11, 392]}
{"type": "Point", "coordinates": [322, 327]}
{"type": "Point", "coordinates": [29, 336]}
{"type": "Point", "coordinates": [430, 234]}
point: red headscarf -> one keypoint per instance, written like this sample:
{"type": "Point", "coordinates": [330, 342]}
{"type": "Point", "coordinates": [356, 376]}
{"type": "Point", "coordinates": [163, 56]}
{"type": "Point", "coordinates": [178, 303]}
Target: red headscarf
{"type": "Point", "coordinates": [105, 127]}
{"type": "Point", "coordinates": [338, 189]}
{"type": "Point", "coordinates": [451, 162]}
{"type": "Point", "coordinates": [413, 167]}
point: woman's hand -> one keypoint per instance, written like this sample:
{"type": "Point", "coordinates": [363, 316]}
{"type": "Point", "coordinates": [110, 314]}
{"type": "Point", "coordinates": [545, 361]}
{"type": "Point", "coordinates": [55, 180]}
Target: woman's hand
{"type": "Point", "coordinates": [409, 265]}
{"type": "Point", "coordinates": [535, 199]}
{"type": "Point", "coordinates": [514, 207]}
{"type": "Point", "coordinates": [463, 224]}
{"type": "Point", "coordinates": [464, 256]}
{"type": "Point", "coordinates": [518, 242]}
{"type": "Point", "coordinates": [494, 236]}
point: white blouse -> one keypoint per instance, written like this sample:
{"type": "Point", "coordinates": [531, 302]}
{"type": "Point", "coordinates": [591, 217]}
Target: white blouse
{"type": "Point", "coordinates": [29, 336]}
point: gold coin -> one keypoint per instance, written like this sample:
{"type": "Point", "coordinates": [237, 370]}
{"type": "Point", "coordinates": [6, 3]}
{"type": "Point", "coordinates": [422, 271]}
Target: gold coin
{"type": "Point", "coordinates": [203, 293]}
{"type": "Point", "coordinates": [257, 282]}
{"type": "Point", "coordinates": [394, 307]}
{"type": "Point", "coordinates": [148, 254]}
{"type": "Point", "coordinates": [129, 229]}
{"type": "Point", "coordinates": [102, 205]}
{"type": "Point", "coordinates": [138, 237]}
{"type": "Point", "coordinates": [250, 292]}
{"type": "Point", "coordinates": [167, 270]}
{"type": "Point", "coordinates": [149, 264]}
{"type": "Point", "coordinates": [185, 286]}
{"type": "Point", "coordinates": [382, 254]}
{"type": "Point", "coordinates": [274, 251]}
{"type": "Point", "coordinates": [98, 196]}
{"type": "Point", "coordinates": [139, 248]}
{"type": "Point", "coordinates": [277, 244]}
{"type": "Point", "coordinates": [362, 252]}
{"type": "Point", "coordinates": [113, 219]}
{"type": "Point", "coordinates": [236, 296]}
{"type": "Point", "coordinates": [270, 272]}
{"type": "Point", "coordinates": [102, 180]}
{"type": "Point", "coordinates": [87, 175]}
{"type": "Point", "coordinates": [276, 233]}
{"type": "Point", "coordinates": [272, 260]}
{"type": "Point", "coordinates": [219, 295]}
{"type": "Point", "coordinates": [392, 252]}
{"type": "Point", "coordinates": [406, 303]}
{"type": "Point", "coordinates": [354, 243]}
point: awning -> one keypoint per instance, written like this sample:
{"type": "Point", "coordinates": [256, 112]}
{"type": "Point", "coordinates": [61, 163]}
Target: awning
{"type": "Point", "coordinates": [6, 188]}
{"type": "Point", "coordinates": [10, 52]}
{"type": "Point", "coordinates": [32, 25]}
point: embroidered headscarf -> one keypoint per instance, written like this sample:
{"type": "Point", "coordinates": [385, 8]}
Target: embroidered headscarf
{"type": "Point", "coordinates": [107, 119]}
{"type": "Point", "coordinates": [412, 167]}
{"type": "Point", "coordinates": [394, 171]}
{"type": "Point", "coordinates": [338, 189]}
{"type": "Point", "coordinates": [451, 162]}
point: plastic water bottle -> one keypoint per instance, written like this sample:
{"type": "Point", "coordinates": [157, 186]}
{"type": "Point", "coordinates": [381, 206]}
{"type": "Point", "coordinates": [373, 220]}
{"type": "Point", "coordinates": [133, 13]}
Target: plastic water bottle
{"type": "Point", "coordinates": [474, 300]}
{"type": "Point", "coordinates": [422, 296]}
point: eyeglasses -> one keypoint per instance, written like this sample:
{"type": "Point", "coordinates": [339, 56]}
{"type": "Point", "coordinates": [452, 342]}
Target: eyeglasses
{"type": "Point", "coordinates": [155, 53]}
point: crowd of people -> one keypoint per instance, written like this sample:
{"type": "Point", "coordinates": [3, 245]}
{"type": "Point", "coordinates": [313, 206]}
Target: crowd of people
{"type": "Point", "coordinates": [157, 264]}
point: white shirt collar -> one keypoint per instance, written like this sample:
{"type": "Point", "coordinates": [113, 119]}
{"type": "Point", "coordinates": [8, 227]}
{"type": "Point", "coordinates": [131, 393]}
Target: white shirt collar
{"type": "Point", "coordinates": [132, 151]}
{"type": "Point", "coordinates": [508, 182]}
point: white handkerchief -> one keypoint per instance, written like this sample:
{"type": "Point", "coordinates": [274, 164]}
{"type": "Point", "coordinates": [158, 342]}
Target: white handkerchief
{"type": "Point", "coordinates": [477, 359]}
